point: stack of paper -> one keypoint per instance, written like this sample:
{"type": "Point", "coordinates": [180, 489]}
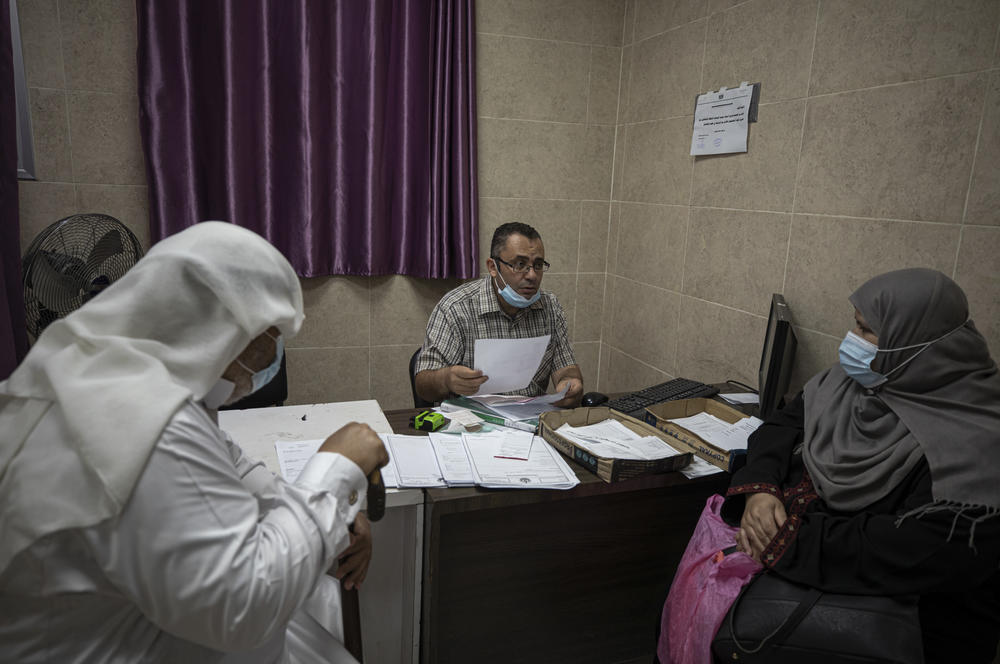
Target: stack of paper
{"type": "Point", "coordinates": [543, 469]}
{"type": "Point", "coordinates": [718, 432]}
{"type": "Point", "coordinates": [611, 439]}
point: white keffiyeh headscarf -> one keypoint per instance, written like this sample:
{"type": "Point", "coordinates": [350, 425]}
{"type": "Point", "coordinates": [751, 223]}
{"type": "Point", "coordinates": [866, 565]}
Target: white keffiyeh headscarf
{"type": "Point", "coordinates": [107, 379]}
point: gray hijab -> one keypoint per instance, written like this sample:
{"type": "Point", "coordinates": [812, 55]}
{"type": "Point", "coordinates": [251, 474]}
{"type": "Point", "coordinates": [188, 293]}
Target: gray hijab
{"type": "Point", "coordinates": [944, 404]}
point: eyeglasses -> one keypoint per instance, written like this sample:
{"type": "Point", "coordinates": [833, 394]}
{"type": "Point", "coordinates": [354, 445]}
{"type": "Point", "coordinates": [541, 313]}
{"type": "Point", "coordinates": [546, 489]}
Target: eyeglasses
{"type": "Point", "coordinates": [522, 267]}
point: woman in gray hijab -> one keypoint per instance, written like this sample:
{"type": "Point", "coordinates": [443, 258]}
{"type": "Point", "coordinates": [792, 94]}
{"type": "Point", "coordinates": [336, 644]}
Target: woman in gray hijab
{"type": "Point", "coordinates": [883, 476]}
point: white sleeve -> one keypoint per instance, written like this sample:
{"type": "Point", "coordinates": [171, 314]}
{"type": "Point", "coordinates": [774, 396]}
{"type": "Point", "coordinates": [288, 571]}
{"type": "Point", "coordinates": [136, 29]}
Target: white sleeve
{"type": "Point", "coordinates": [205, 559]}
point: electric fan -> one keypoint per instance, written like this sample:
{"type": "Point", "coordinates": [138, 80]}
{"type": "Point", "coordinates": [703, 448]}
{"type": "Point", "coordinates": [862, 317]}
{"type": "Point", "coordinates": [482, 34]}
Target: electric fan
{"type": "Point", "coordinates": [72, 261]}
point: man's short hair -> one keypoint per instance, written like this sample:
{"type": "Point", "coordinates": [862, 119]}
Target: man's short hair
{"type": "Point", "coordinates": [504, 231]}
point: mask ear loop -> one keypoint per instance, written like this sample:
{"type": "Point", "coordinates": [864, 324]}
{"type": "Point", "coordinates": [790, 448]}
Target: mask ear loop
{"type": "Point", "coordinates": [925, 344]}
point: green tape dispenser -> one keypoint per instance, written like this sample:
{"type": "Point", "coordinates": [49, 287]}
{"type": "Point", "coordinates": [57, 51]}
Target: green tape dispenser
{"type": "Point", "coordinates": [428, 420]}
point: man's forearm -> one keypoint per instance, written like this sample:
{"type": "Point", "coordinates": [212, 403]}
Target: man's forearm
{"type": "Point", "coordinates": [431, 384]}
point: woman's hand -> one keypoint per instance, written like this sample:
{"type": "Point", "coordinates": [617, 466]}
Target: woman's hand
{"type": "Point", "coordinates": [354, 561]}
{"type": "Point", "coordinates": [763, 516]}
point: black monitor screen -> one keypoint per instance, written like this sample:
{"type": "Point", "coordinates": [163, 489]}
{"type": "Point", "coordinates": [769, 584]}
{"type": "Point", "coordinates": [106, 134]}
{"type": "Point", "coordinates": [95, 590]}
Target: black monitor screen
{"type": "Point", "coordinates": [777, 358]}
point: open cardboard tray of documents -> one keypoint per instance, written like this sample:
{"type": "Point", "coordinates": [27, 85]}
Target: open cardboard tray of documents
{"type": "Point", "coordinates": [659, 414]}
{"type": "Point", "coordinates": [609, 470]}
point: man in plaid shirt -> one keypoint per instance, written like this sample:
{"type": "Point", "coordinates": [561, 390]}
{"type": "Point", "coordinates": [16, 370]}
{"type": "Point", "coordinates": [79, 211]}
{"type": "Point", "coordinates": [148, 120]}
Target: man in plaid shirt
{"type": "Point", "coordinates": [506, 304]}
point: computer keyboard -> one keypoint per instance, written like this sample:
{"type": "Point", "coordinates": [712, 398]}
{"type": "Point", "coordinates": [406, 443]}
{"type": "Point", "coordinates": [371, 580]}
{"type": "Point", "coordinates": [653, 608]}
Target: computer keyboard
{"type": "Point", "coordinates": [635, 403]}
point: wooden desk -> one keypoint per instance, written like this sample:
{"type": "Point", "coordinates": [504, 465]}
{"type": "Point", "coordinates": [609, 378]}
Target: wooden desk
{"type": "Point", "coordinates": [552, 576]}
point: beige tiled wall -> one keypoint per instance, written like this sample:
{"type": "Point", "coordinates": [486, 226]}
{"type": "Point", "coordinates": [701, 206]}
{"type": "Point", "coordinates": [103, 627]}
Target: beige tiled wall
{"type": "Point", "coordinates": [877, 147]}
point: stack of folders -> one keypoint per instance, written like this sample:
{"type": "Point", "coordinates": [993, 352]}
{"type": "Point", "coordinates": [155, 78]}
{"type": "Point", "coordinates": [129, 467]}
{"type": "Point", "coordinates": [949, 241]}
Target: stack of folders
{"type": "Point", "coordinates": [508, 459]}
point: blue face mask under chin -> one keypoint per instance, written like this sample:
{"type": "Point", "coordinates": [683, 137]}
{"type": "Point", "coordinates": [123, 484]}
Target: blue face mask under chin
{"type": "Point", "coordinates": [515, 299]}
{"type": "Point", "coordinates": [261, 378]}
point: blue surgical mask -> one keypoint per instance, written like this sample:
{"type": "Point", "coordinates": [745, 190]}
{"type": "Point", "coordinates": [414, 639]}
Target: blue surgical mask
{"type": "Point", "coordinates": [261, 378]}
{"type": "Point", "coordinates": [857, 354]}
{"type": "Point", "coordinates": [515, 299]}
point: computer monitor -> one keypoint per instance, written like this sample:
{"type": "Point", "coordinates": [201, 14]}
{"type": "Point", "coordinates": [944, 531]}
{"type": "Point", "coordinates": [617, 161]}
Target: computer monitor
{"type": "Point", "coordinates": [777, 358]}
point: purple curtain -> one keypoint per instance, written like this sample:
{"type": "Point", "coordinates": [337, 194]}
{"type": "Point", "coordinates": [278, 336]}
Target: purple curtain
{"type": "Point", "coordinates": [343, 131]}
{"type": "Point", "coordinates": [13, 334]}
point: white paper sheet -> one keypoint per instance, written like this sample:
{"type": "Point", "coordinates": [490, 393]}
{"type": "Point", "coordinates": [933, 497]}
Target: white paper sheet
{"type": "Point", "coordinates": [741, 397]}
{"type": "Point", "coordinates": [720, 121]}
{"type": "Point", "coordinates": [515, 445]}
{"type": "Point", "coordinates": [293, 455]}
{"type": "Point", "coordinates": [544, 469]}
{"type": "Point", "coordinates": [613, 440]}
{"type": "Point", "coordinates": [509, 363]}
{"type": "Point", "coordinates": [452, 459]}
{"type": "Point", "coordinates": [718, 432]}
{"type": "Point", "coordinates": [699, 468]}
{"type": "Point", "coordinates": [415, 461]}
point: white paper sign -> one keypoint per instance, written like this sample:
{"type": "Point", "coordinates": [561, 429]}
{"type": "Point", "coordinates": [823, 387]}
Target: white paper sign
{"type": "Point", "coordinates": [720, 121]}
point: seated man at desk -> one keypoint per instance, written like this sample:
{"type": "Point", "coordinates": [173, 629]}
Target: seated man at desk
{"type": "Point", "coordinates": [508, 303]}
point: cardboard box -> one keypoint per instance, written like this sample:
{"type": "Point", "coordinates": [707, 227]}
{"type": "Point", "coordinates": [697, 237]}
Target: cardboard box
{"type": "Point", "coordinates": [609, 470]}
{"type": "Point", "coordinates": [686, 441]}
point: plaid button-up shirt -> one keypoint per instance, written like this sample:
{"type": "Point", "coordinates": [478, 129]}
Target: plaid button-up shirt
{"type": "Point", "coordinates": [472, 312]}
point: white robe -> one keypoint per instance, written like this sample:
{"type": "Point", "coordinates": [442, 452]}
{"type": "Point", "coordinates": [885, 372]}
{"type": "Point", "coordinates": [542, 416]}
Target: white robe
{"type": "Point", "coordinates": [211, 555]}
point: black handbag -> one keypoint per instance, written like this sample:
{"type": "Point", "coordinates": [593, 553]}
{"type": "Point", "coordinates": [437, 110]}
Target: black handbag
{"type": "Point", "coordinates": [777, 621]}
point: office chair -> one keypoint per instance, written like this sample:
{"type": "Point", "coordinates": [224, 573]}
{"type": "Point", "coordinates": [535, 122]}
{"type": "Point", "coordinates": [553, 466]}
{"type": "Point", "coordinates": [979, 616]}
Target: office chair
{"type": "Point", "coordinates": [272, 394]}
{"type": "Point", "coordinates": [417, 401]}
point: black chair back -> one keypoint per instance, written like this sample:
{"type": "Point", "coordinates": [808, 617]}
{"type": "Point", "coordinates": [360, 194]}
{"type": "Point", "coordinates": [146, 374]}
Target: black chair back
{"type": "Point", "coordinates": [417, 401]}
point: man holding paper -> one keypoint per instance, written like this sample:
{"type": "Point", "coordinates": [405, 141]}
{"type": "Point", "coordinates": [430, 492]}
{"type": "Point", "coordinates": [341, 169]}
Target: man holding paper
{"type": "Point", "coordinates": [506, 304]}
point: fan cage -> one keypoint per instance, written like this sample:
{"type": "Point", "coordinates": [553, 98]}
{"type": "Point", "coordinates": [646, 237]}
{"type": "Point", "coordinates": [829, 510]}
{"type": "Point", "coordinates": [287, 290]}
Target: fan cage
{"type": "Point", "coordinates": [71, 262]}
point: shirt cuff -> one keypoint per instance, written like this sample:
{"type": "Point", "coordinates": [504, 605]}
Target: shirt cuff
{"type": "Point", "coordinates": [336, 474]}
{"type": "Point", "coordinates": [782, 540]}
{"type": "Point", "coordinates": [755, 487]}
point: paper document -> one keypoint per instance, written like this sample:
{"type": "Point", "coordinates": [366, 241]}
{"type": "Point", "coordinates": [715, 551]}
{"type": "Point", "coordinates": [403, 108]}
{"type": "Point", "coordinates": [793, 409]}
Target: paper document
{"type": "Point", "coordinates": [515, 445]}
{"type": "Point", "coordinates": [293, 455]}
{"type": "Point", "coordinates": [718, 432]}
{"type": "Point", "coordinates": [611, 439]}
{"type": "Point", "coordinates": [509, 363]}
{"type": "Point", "coordinates": [699, 468]}
{"type": "Point", "coordinates": [452, 459]}
{"type": "Point", "coordinates": [415, 461]}
{"type": "Point", "coordinates": [544, 468]}
{"type": "Point", "coordinates": [741, 397]}
{"type": "Point", "coordinates": [720, 121]}
{"type": "Point", "coordinates": [465, 418]}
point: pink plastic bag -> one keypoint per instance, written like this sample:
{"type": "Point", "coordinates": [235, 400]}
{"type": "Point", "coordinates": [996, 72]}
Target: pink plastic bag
{"type": "Point", "coordinates": [704, 588]}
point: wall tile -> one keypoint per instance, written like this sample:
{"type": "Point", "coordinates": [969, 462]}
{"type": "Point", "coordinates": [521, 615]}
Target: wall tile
{"type": "Point", "coordinates": [50, 135]}
{"type": "Point", "coordinates": [326, 375]}
{"type": "Point", "coordinates": [99, 44]}
{"type": "Point", "coordinates": [629, 33]}
{"type": "Point", "coordinates": [543, 160]}
{"type": "Point", "coordinates": [763, 178]}
{"type": "Point", "coordinates": [563, 286]}
{"type": "Point", "coordinates": [589, 307]}
{"type": "Point", "coordinates": [715, 6]}
{"type": "Point", "coordinates": [984, 196]}
{"type": "Point", "coordinates": [657, 166]}
{"type": "Point", "coordinates": [583, 21]}
{"type": "Point", "coordinates": [558, 222]}
{"type": "Point", "coordinates": [863, 44]}
{"type": "Point", "coordinates": [618, 167]}
{"type": "Point", "coordinates": [716, 344]}
{"type": "Point", "coordinates": [655, 16]}
{"type": "Point", "coordinates": [337, 313]}
{"type": "Point", "coordinates": [978, 276]}
{"type": "Point", "coordinates": [40, 43]}
{"type": "Point", "coordinates": [602, 376]}
{"type": "Point", "coordinates": [645, 323]}
{"type": "Point", "coordinates": [41, 204]}
{"type": "Point", "coordinates": [651, 244]}
{"type": "Point", "coordinates": [588, 357]}
{"type": "Point", "coordinates": [666, 74]}
{"type": "Point", "coordinates": [532, 79]}
{"type": "Point", "coordinates": [830, 257]}
{"type": "Point", "coordinates": [736, 258]}
{"type": "Point", "coordinates": [614, 237]}
{"type": "Point", "coordinates": [768, 41]}
{"type": "Point", "coordinates": [625, 84]}
{"type": "Point", "coordinates": [902, 152]}
{"type": "Point", "coordinates": [594, 222]}
{"type": "Point", "coordinates": [127, 204]}
{"type": "Point", "coordinates": [605, 71]}
{"type": "Point", "coordinates": [391, 376]}
{"type": "Point", "coordinates": [627, 374]}
{"type": "Point", "coordinates": [401, 306]}
{"type": "Point", "coordinates": [814, 352]}
{"type": "Point", "coordinates": [104, 134]}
